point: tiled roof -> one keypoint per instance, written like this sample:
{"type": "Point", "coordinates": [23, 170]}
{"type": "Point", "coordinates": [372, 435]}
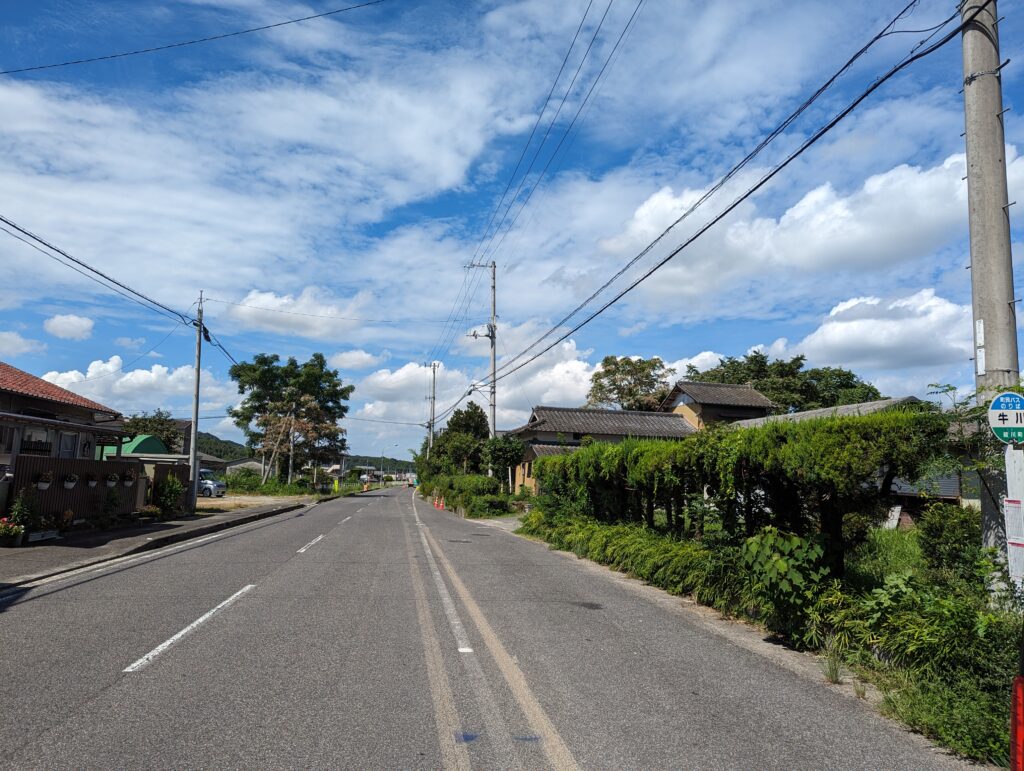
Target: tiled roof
{"type": "Point", "coordinates": [14, 380]}
{"type": "Point", "coordinates": [844, 410]}
{"type": "Point", "coordinates": [939, 486]}
{"type": "Point", "coordinates": [568, 420]}
{"type": "Point", "coordinates": [725, 394]}
{"type": "Point", "coordinates": [541, 450]}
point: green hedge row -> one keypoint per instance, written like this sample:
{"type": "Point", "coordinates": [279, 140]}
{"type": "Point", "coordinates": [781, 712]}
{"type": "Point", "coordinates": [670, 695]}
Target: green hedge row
{"type": "Point", "coordinates": [475, 494]}
{"type": "Point", "coordinates": [829, 476]}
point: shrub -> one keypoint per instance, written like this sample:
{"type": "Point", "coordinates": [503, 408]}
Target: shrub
{"type": "Point", "coordinates": [488, 506]}
{"type": "Point", "coordinates": [24, 512]}
{"type": "Point", "coordinates": [951, 540]}
{"type": "Point", "coordinates": [884, 553]}
{"type": "Point", "coordinates": [167, 496]}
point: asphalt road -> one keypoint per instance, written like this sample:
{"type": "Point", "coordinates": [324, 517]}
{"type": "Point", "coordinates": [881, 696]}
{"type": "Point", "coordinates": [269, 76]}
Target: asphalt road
{"type": "Point", "coordinates": [363, 634]}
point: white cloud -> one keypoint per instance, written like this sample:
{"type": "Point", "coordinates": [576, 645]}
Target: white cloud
{"type": "Point", "coordinates": [357, 359]}
{"type": "Point", "coordinates": [69, 326]}
{"type": "Point", "coordinates": [131, 343]}
{"type": "Point", "coordinates": [704, 360]}
{"type": "Point", "coordinates": [311, 313]}
{"type": "Point", "coordinates": [145, 389]}
{"type": "Point", "coordinates": [13, 344]}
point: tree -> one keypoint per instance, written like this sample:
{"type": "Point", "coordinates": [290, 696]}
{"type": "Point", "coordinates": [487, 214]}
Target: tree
{"type": "Point", "coordinates": [159, 424]}
{"type": "Point", "coordinates": [501, 453]}
{"type": "Point", "coordinates": [632, 384]}
{"type": "Point", "coordinates": [472, 421]}
{"type": "Point", "coordinates": [291, 409]}
{"type": "Point", "coordinates": [787, 383]}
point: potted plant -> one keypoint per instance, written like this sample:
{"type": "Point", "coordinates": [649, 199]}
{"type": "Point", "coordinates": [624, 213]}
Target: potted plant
{"type": "Point", "coordinates": [44, 480]}
{"type": "Point", "coordinates": [112, 479]}
{"type": "Point", "coordinates": [70, 480]}
{"type": "Point", "coordinates": [90, 479]}
{"type": "Point", "coordinates": [11, 533]}
{"type": "Point", "coordinates": [129, 477]}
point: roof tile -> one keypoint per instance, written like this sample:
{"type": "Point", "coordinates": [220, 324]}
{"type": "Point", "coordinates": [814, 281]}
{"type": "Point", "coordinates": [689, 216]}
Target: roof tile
{"type": "Point", "coordinates": [14, 380]}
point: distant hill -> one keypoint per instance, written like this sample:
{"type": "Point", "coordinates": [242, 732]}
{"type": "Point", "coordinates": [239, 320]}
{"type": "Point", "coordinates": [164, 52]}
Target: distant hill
{"type": "Point", "coordinates": [224, 449]}
{"type": "Point", "coordinates": [389, 463]}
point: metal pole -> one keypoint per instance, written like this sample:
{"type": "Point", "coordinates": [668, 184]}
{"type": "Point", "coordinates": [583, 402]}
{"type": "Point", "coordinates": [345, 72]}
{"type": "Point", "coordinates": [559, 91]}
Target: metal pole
{"type": "Point", "coordinates": [995, 327]}
{"type": "Point", "coordinates": [193, 450]}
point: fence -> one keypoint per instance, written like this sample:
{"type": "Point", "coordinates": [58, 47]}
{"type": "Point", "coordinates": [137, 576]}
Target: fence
{"type": "Point", "coordinates": [83, 501]}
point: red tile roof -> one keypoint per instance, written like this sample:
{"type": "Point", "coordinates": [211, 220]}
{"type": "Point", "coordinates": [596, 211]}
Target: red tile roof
{"type": "Point", "coordinates": [14, 380]}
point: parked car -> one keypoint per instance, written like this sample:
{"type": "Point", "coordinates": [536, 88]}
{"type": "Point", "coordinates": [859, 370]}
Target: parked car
{"type": "Point", "coordinates": [209, 486]}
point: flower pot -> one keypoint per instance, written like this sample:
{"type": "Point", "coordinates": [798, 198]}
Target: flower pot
{"type": "Point", "coordinates": [111, 483]}
{"type": "Point", "coordinates": [92, 483]}
{"type": "Point", "coordinates": [129, 482]}
{"type": "Point", "coordinates": [19, 538]}
{"type": "Point", "coordinates": [70, 485]}
{"type": "Point", "coordinates": [6, 541]}
{"type": "Point", "coordinates": [42, 485]}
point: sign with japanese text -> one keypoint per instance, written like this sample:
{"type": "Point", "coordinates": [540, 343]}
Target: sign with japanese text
{"type": "Point", "coordinates": [1006, 417]}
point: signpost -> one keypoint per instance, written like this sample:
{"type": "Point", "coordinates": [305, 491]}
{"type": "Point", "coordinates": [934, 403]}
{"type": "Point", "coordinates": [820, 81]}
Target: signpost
{"type": "Point", "coordinates": [1006, 419]}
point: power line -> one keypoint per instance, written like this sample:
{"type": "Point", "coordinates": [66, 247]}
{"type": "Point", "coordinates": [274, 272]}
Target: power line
{"type": "Point", "coordinates": [761, 183]}
{"type": "Point", "coordinates": [184, 319]}
{"type": "Point", "coordinates": [775, 133]}
{"type": "Point", "coordinates": [184, 43]}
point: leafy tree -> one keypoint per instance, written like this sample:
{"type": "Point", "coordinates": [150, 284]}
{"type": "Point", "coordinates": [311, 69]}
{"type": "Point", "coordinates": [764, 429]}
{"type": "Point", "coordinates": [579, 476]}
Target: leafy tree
{"type": "Point", "coordinates": [462, 449]}
{"type": "Point", "coordinates": [787, 383]}
{"type": "Point", "coordinates": [291, 409]}
{"type": "Point", "coordinates": [472, 421]}
{"type": "Point", "coordinates": [501, 453]}
{"type": "Point", "coordinates": [159, 424]}
{"type": "Point", "coordinates": [633, 384]}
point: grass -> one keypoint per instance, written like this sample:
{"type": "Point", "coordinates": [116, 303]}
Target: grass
{"type": "Point", "coordinates": [884, 553]}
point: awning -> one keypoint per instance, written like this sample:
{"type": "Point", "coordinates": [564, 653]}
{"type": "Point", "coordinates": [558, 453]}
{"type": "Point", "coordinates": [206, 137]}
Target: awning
{"type": "Point", "coordinates": [29, 420]}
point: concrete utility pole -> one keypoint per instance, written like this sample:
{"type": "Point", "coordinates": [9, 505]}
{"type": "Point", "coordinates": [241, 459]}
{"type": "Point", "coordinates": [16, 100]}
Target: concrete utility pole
{"type": "Point", "coordinates": [193, 450]}
{"type": "Point", "coordinates": [492, 333]}
{"type": "Point", "coordinates": [433, 405]}
{"type": "Point", "coordinates": [995, 326]}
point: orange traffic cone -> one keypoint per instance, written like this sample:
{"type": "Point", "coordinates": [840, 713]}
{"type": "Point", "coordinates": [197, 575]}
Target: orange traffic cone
{"type": "Point", "coordinates": [442, 503]}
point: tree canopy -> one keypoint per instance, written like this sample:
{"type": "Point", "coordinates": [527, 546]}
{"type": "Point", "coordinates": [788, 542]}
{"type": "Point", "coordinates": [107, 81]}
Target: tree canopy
{"type": "Point", "coordinates": [159, 423]}
{"type": "Point", "coordinates": [630, 383]}
{"type": "Point", "coordinates": [787, 383]}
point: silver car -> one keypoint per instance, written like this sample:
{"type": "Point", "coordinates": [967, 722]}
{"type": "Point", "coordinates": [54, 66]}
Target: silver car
{"type": "Point", "coordinates": [210, 487]}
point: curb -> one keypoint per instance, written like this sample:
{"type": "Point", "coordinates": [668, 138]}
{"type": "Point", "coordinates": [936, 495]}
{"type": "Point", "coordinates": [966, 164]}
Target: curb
{"type": "Point", "coordinates": [167, 540]}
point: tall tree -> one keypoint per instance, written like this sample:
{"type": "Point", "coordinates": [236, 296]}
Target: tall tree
{"type": "Point", "coordinates": [472, 420]}
{"type": "Point", "coordinates": [632, 384]}
{"type": "Point", "coordinates": [787, 383]}
{"type": "Point", "coordinates": [159, 424]}
{"type": "Point", "coordinates": [291, 409]}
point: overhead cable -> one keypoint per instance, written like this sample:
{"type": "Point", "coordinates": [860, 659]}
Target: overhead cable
{"type": "Point", "coordinates": [182, 44]}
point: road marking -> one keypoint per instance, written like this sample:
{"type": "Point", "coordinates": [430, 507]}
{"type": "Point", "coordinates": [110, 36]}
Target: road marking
{"type": "Point", "coordinates": [497, 729]}
{"type": "Point", "coordinates": [446, 717]}
{"type": "Point", "coordinates": [187, 630]}
{"type": "Point", "coordinates": [346, 519]}
{"type": "Point", "coordinates": [310, 544]}
{"type": "Point", "coordinates": [558, 754]}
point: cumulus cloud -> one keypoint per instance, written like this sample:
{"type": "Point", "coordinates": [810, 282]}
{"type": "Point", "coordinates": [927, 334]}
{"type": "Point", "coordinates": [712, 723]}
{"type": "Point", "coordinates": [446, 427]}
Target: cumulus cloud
{"type": "Point", "coordinates": [357, 359]}
{"type": "Point", "coordinates": [13, 344]}
{"type": "Point", "coordinates": [144, 389]}
{"type": "Point", "coordinates": [69, 326]}
{"type": "Point", "coordinates": [311, 313]}
{"type": "Point", "coordinates": [131, 343]}
{"type": "Point", "coordinates": [704, 360]}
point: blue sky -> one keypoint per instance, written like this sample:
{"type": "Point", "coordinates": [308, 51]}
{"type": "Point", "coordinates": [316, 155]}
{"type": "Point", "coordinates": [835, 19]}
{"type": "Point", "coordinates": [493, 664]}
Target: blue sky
{"type": "Point", "coordinates": [342, 171]}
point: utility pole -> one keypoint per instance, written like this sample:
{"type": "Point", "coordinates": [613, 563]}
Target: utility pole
{"type": "Point", "coordinates": [193, 450]}
{"type": "Point", "coordinates": [995, 325]}
{"type": "Point", "coordinates": [433, 405]}
{"type": "Point", "coordinates": [492, 335]}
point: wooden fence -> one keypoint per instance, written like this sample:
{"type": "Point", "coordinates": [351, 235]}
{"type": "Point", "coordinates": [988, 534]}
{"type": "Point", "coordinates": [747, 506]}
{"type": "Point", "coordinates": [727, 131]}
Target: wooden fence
{"type": "Point", "coordinates": [83, 501]}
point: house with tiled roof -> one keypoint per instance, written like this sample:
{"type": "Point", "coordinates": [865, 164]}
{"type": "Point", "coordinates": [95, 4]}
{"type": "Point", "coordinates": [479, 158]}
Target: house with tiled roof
{"type": "Point", "coordinates": [560, 430]}
{"type": "Point", "coordinates": [704, 404]}
{"type": "Point", "coordinates": [42, 423]}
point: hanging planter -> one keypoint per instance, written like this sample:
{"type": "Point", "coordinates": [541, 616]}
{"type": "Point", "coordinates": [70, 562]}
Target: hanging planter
{"type": "Point", "coordinates": [44, 480]}
{"type": "Point", "coordinates": [112, 479]}
{"type": "Point", "coordinates": [129, 478]}
{"type": "Point", "coordinates": [70, 480]}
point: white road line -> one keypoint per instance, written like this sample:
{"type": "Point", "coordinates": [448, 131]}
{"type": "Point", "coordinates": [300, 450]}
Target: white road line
{"type": "Point", "coordinates": [346, 519]}
{"type": "Point", "coordinates": [309, 544]}
{"type": "Point", "coordinates": [190, 628]}
{"type": "Point", "coordinates": [461, 639]}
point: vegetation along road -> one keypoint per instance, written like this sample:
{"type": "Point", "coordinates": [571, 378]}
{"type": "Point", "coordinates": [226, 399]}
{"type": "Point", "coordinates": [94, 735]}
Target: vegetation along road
{"type": "Point", "coordinates": [378, 632]}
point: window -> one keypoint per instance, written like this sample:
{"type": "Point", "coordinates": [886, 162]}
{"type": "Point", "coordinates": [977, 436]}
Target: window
{"type": "Point", "coordinates": [6, 439]}
{"type": "Point", "coordinates": [529, 470]}
{"type": "Point", "coordinates": [36, 441]}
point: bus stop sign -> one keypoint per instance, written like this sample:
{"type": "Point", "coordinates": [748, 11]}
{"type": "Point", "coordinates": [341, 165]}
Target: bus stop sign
{"type": "Point", "coordinates": [1006, 417]}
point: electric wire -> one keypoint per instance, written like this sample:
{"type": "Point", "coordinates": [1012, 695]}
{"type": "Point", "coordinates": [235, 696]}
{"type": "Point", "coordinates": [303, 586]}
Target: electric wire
{"type": "Point", "coordinates": [182, 44]}
{"type": "Point", "coordinates": [814, 138]}
{"type": "Point", "coordinates": [324, 315]}
{"type": "Point", "coordinates": [725, 179]}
